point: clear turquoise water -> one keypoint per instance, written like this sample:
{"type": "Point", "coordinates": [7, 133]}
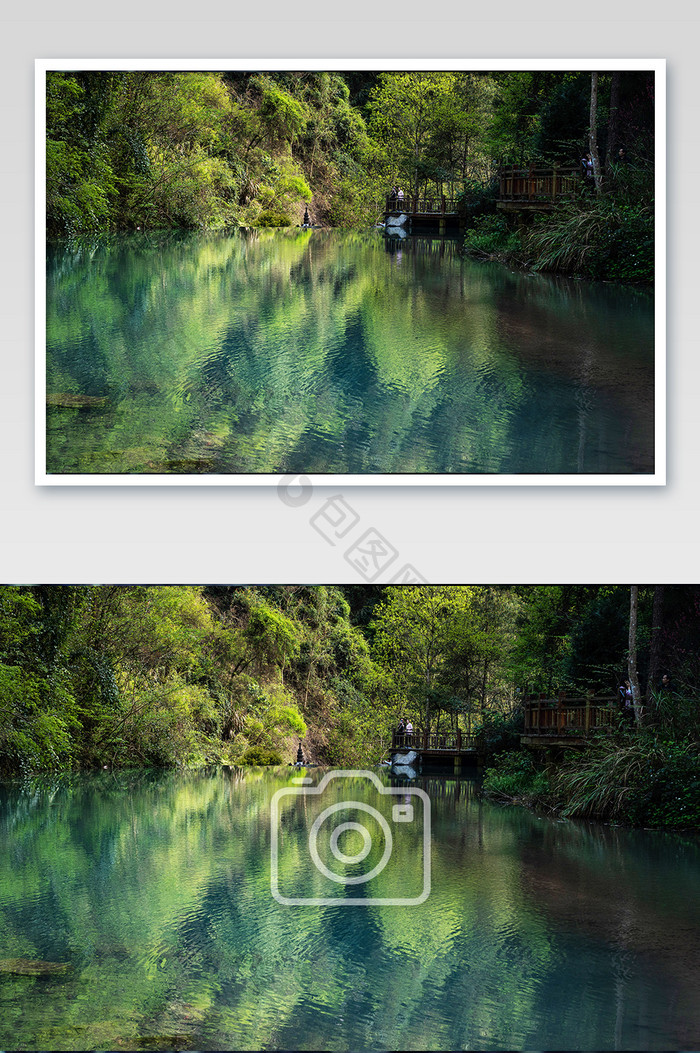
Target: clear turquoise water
{"type": "Point", "coordinates": [335, 352]}
{"type": "Point", "coordinates": [156, 891]}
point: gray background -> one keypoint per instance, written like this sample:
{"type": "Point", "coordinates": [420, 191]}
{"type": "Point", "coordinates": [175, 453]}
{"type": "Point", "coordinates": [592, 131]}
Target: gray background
{"type": "Point", "coordinates": [476, 534]}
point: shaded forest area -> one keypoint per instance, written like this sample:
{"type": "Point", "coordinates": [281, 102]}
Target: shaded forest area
{"type": "Point", "coordinates": [167, 676]}
{"type": "Point", "coordinates": [221, 150]}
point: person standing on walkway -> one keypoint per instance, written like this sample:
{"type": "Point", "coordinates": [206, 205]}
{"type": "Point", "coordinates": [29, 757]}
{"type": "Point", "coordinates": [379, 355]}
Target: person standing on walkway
{"type": "Point", "coordinates": [589, 171]}
{"type": "Point", "coordinates": [626, 701]}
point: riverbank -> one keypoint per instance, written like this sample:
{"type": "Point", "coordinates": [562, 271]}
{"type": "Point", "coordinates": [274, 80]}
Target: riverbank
{"type": "Point", "coordinates": [602, 239]}
{"type": "Point", "coordinates": [634, 779]}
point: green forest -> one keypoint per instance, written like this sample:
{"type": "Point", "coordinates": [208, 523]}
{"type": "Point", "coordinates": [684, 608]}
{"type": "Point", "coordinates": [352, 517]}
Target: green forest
{"type": "Point", "coordinates": [173, 676]}
{"type": "Point", "coordinates": [143, 150]}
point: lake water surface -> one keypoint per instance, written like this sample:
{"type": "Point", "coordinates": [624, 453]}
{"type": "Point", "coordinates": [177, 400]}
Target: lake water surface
{"type": "Point", "coordinates": [336, 352]}
{"type": "Point", "coordinates": [155, 891]}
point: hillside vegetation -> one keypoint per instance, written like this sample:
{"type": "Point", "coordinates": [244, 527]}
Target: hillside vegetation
{"type": "Point", "coordinates": [146, 149]}
{"type": "Point", "coordinates": [179, 674]}
{"type": "Point", "coordinates": [185, 675]}
{"type": "Point", "coordinates": [172, 676]}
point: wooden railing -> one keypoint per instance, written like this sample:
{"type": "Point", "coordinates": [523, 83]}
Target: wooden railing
{"type": "Point", "coordinates": [569, 716]}
{"type": "Point", "coordinates": [437, 205]}
{"type": "Point", "coordinates": [531, 183]}
{"type": "Point", "coordinates": [449, 741]}
{"type": "Point", "coordinates": [537, 184]}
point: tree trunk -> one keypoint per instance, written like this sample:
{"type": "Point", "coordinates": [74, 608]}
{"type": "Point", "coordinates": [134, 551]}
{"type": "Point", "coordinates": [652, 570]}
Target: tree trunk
{"type": "Point", "coordinates": [427, 699]}
{"type": "Point", "coordinates": [483, 687]}
{"type": "Point", "coordinates": [593, 135]}
{"type": "Point", "coordinates": [657, 623]}
{"type": "Point", "coordinates": [632, 657]}
{"type": "Point", "coordinates": [613, 122]}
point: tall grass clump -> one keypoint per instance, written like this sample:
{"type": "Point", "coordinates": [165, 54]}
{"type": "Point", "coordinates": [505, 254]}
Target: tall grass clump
{"type": "Point", "coordinates": [602, 239]}
{"type": "Point", "coordinates": [675, 714]}
{"type": "Point", "coordinates": [636, 779]}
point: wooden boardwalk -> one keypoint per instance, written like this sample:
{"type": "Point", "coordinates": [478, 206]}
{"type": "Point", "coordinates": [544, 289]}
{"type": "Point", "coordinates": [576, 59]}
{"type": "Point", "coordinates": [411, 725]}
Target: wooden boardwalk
{"type": "Point", "coordinates": [425, 212]}
{"type": "Point", "coordinates": [453, 747]}
{"type": "Point", "coordinates": [558, 721]}
{"type": "Point", "coordinates": [531, 188]}
{"type": "Point", "coordinates": [563, 721]}
{"type": "Point", "coordinates": [535, 188]}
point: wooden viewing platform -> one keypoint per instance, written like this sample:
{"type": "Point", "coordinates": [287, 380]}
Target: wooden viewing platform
{"type": "Point", "coordinates": [558, 721]}
{"type": "Point", "coordinates": [436, 747]}
{"type": "Point", "coordinates": [425, 211]}
{"type": "Point", "coordinates": [563, 721]}
{"type": "Point", "coordinates": [535, 188]}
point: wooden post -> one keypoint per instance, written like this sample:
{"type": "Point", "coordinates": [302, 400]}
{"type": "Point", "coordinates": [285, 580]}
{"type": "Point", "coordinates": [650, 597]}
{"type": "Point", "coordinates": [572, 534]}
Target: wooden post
{"type": "Point", "coordinates": [587, 721]}
{"type": "Point", "coordinates": [459, 740]}
{"type": "Point", "coordinates": [554, 183]}
{"type": "Point", "coordinates": [425, 738]}
{"type": "Point", "coordinates": [560, 711]}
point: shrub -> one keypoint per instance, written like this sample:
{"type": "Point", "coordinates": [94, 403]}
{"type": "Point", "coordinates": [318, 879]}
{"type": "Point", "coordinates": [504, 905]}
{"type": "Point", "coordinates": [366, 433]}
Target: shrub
{"type": "Point", "coordinates": [673, 793]}
{"type": "Point", "coordinates": [273, 636]}
{"type": "Point", "coordinates": [261, 755]}
{"type": "Point", "coordinates": [626, 252]}
{"type": "Point", "coordinates": [491, 235]}
{"type": "Point", "coordinates": [515, 777]}
{"type": "Point", "coordinates": [477, 199]}
{"type": "Point", "coordinates": [37, 721]}
{"type": "Point", "coordinates": [271, 218]}
{"type": "Point", "coordinates": [498, 734]}
{"type": "Point", "coordinates": [676, 714]}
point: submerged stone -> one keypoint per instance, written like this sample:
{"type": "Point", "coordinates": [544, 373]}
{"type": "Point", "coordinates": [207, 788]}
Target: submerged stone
{"type": "Point", "coordinates": [176, 1041]}
{"type": "Point", "coordinates": [31, 967]}
{"type": "Point", "coordinates": [69, 400]}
